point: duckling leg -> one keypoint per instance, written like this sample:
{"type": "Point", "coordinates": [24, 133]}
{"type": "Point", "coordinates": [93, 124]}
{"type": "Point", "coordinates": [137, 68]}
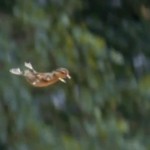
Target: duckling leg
{"type": "Point", "coordinates": [16, 71]}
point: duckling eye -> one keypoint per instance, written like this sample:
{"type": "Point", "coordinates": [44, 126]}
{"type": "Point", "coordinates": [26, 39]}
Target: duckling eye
{"type": "Point", "coordinates": [63, 72]}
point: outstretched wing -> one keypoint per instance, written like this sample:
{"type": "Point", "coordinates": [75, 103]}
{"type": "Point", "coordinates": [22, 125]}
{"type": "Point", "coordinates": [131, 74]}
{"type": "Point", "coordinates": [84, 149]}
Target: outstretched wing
{"type": "Point", "coordinates": [29, 66]}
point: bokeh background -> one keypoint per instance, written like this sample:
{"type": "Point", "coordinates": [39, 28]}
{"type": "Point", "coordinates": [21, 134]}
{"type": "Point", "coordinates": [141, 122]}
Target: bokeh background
{"type": "Point", "coordinates": [106, 47]}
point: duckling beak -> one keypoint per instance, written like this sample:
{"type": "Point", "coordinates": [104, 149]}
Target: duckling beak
{"type": "Point", "coordinates": [68, 76]}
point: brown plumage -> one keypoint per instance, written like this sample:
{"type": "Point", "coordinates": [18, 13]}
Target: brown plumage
{"type": "Point", "coordinates": [39, 79]}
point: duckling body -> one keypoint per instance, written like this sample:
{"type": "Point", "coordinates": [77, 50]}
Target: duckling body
{"type": "Point", "coordinates": [39, 79]}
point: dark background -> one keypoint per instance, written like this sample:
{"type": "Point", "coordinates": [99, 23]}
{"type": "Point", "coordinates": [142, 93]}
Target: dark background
{"type": "Point", "coordinates": [106, 47]}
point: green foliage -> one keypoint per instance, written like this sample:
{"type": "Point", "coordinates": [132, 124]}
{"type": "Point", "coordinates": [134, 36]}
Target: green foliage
{"type": "Point", "coordinates": [103, 106]}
